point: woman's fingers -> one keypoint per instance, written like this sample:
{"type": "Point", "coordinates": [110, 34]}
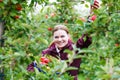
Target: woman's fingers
{"type": "Point", "coordinates": [95, 5]}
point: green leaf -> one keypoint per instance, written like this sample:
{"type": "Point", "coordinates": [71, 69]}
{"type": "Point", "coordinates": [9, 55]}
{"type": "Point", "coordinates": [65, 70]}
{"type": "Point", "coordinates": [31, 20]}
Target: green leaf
{"type": "Point", "coordinates": [81, 77]}
{"type": "Point", "coordinates": [64, 67]}
{"type": "Point", "coordinates": [106, 76]}
{"type": "Point", "coordinates": [79, 22]}
{"type": "Point", "coordinates": [5, 1]}
{"type": "Point", "coordinates": [115, 76]}
{"type": "Point", "coordinates": [44, 41]}
{"type": "Point", "coordinates": [71, 68]}
{"type": "Point", "coordinates": [86, 51]}
{"type": "Point", "coordinates": [78, 56]}
{"type": "Point", "coordinates": [19, 54]}
{"type": "Point", "coordinates": [91, 2]}
{"type": "Point", "coordinates": [14, 1]}
{"type": "Point", "coordinates": [86, 5]}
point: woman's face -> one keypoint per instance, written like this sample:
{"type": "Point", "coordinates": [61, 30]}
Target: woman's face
{"type": "Point", "coordinates": [60, 38]}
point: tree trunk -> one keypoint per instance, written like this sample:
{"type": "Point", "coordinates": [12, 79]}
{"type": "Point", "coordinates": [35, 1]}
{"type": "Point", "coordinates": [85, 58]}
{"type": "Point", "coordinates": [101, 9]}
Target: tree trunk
{"type": "Point", "coordinates": [1, 33]}
{"type": "Point", "coordinates": [1, 45]}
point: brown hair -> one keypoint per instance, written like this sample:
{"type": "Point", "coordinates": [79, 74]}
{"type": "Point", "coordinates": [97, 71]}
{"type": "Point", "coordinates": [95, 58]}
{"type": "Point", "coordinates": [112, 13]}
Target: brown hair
{"type": "Point", "coordinates": [60, 27]}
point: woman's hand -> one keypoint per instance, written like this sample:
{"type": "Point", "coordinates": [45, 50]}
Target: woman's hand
{"type": "Point", "coordinates": [95, 5]}
{"type": "Point", "coordinates": [30, 67]}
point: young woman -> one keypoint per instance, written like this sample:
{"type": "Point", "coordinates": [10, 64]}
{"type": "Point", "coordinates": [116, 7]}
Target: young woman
{"type": "Point", "coordinates": [61, 42]}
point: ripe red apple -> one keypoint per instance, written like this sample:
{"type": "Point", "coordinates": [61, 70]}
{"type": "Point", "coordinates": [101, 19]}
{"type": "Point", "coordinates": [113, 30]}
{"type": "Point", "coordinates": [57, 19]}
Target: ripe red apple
{"type": "Point", "coordinates": [16, 17]}
{"type": "Point", "coordinates": [44, 60]}
{"type": "Point", "coordinates": [1, 0]}
{"type": "Point", "coordinates": [93, 17]}
{"type": "Point", "coordinates": [46, 16]}
{"type": "Point", "coordinates": [52, 14]}
{"type": "Point", "coordinates": [116, 44]}
{"type": "Point", "coordinates": [49, 29]}
{"type": "Point", "coordinates": [18, 7]}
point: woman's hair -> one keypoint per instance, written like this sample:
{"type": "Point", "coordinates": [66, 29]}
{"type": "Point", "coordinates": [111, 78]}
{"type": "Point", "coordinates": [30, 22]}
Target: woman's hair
{"type": "Point", "coordinates": [60, 27]}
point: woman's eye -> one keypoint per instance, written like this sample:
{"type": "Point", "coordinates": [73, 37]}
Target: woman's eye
{"type": "Point", "coordinates": [62, 36]}
{"type": "Point", "coordinates": [56, 36]}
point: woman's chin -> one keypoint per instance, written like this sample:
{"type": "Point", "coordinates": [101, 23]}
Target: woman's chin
{"type": "Point", "coordinates": [61, 46]}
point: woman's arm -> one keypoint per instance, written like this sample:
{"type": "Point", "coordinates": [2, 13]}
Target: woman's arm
{"type": "Point", "coordinates": [81, 43]}
{"type": "Point", "coordinates": [46, 51]}
{"type": "Point", "coordinates": [94, 6]}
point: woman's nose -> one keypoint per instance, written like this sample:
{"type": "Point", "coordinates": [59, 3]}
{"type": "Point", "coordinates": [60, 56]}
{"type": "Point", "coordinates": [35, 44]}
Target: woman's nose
{"type": "Point", "coordinates": [59, 39]}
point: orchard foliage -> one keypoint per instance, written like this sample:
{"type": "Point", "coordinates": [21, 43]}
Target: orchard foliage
{"type": "Point", "coordinates": [26, 34]}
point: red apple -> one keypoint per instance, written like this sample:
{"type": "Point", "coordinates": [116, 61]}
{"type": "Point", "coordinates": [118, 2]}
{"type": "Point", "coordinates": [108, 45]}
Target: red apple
{"type": "Point", "coordinates": [50, 29]}
{"type": "Point", "coordinates": [18, 7]}
{"type": "Point", "coordinates": [93, 17]}
{"type": "Point", "coordinates": [1, 0]}
{"type": "Point", "coordinates": [52, 14]}
{"type": "Point", "coordinates": [16, 17]}
{"type": "Point", "coordinates": [116, 44]}
{"type": "Point", "coordinates": [44, 60]}
{"type": "Point", "coordinates": [46, 16]}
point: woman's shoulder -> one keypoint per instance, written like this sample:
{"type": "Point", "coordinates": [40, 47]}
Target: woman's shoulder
{"type": "Point", "coordinates": [49, 49]}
